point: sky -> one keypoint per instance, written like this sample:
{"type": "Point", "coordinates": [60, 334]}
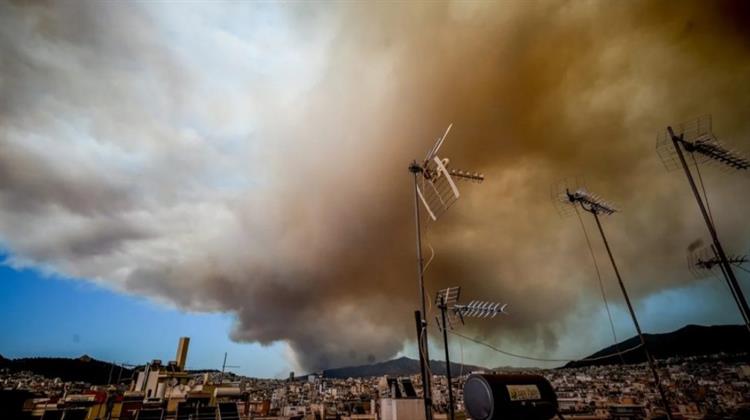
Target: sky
{"type": "Point", "coordinates": [56, 317]}
{"type": "Point", "coordinates": [237, 173]}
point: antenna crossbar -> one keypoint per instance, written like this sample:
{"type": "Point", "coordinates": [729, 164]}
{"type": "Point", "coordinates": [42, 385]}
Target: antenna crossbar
{"type": "Point", "coordinates": [590, 202]}
{"type": "Point", "coordinates": [447, 301]}
{"type": "Point", "coordinates": [710, 263]}
{"type": "Point", "coordinates": [467, 176]}
{"type": "Point", "coordinates": [716, 151]}
{"type": "Point", "coordinates": [480, 309]}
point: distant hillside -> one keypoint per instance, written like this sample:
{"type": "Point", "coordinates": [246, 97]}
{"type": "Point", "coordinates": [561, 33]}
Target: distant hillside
{"type": "Point", "coordinates": [402, 366]}
{"type": "Point", "coordinates": [83, 369]}
{"type": "Point", "coordinates": [691, 340]}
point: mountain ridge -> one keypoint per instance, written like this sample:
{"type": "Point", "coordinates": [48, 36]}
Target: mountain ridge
{"type": "Point", "coordinates": [690, 340]}
{"type": "Point", "coordinates": [401, 366]}
{"type": "Point", "coordinates": [80, 369]}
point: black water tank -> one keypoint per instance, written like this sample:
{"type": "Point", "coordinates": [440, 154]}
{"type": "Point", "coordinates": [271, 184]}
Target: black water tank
{"type": "Point", "coordinates": [509, 397]}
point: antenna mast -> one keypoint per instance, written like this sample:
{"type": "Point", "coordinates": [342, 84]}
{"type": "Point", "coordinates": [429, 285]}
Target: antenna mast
{"type": "Point", "coordinates": [702, 260]}
{"type": "Point", "coordinates": [696, 138]}
{"type": "Point", "coordinates": [447, 301]}
{"type": "Point", "coordinates": [596, 206]}
{"type": "Point", "coordinates": [435, 188]}
{"type": "Point", "coordinates": [223, 368]}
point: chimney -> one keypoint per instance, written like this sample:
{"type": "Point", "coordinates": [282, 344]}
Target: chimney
{"type": "Point", "coordinates": [182, 350]}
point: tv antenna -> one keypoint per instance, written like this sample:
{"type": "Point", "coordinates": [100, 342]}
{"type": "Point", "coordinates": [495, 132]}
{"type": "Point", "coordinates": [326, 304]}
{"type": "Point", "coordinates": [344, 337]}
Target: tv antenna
{"type": "Point", "coordinates": [447, 301]}
{"type": "Point", "coordinates": [702, 260]}
{"type": "Point", "coordinates": [435, 187]}
{"type": "Point", "coordinates": [696, 138]}
{"type": "Point", "coordinates": [594, 204]}
{"type": "Point", "coordinates": [224, 366]}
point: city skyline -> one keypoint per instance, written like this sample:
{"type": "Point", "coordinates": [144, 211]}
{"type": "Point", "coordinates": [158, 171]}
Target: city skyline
{"type": "Point", "coordinates": [238, 174]}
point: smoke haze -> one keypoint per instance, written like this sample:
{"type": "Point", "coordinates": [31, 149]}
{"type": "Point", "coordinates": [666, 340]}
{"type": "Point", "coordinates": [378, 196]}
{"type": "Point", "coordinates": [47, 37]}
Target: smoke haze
{"type": "Point", "coordinates": [252, 159]}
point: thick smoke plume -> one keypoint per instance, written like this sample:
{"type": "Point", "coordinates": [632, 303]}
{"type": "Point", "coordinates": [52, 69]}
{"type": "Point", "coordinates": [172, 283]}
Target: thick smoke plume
{"type": "Point", "coordinates": [252, 159]}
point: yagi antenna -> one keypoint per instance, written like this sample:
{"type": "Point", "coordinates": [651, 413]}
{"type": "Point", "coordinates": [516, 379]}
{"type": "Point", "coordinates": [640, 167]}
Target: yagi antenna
{"type": "Point", "coordinates": [435, 188]}
{"type": "Point", "coordinates": [589, 202]}
{"type": "Point", "coordinates": [447, 301]}
{"type": "Point", "coordinates": [573, 192]}
{"type": "Point", "coordinates": [695, 139]}
{"type": "Point", "coordinates": [712, 149]}
{"type": "Point", "coordinates": [703, 260]}
{"type": "Point", "coordinates": [480, 309]}
{"type": "Point", "coordinates": [594, 204]}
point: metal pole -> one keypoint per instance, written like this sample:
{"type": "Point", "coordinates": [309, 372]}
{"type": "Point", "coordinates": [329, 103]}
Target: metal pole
{"type": "Point", "coordinates": [729, 284]}
{"type": "Point", "coordinates": [418, 323]}
{"type": "Point", "coordinates": [415, 169]}
{"type": "Point", "coordinates": [734, 284]}
{"type": "Point", "coordinates": [424, 371]}
{"type": "Point", "coordinates": [635, 320]}
{"type": "Point", "coordinates": [443, 308]}
{"type": "Point", "coordinates": [223, 366]}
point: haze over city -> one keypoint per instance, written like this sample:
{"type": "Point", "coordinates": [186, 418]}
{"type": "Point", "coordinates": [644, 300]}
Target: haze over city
{"type": "Point", "coordinates": [237, 173]}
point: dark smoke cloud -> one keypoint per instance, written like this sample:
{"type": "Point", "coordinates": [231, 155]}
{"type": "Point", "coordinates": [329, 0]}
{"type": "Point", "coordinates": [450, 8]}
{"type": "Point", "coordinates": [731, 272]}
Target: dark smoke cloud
{"type": "Point", "coordinates": [133, 155]}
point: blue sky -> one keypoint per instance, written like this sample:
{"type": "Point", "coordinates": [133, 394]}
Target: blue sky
{"type": "Point", "coordinates": [57, 317]}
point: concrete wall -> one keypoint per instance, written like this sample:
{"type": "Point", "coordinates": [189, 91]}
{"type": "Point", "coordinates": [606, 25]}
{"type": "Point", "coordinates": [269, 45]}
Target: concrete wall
{"type": "Point", "coordinates": [401, 409]}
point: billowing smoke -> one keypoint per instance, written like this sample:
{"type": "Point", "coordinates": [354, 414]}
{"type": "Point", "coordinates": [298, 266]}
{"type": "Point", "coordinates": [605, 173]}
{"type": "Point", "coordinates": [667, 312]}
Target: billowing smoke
{"type": "Point", "coordinates": [252, 159]}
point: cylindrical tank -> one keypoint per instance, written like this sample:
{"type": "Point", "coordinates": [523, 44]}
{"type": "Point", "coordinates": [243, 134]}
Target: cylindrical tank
{"type": "Point", "coordinates": [509, 397]}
